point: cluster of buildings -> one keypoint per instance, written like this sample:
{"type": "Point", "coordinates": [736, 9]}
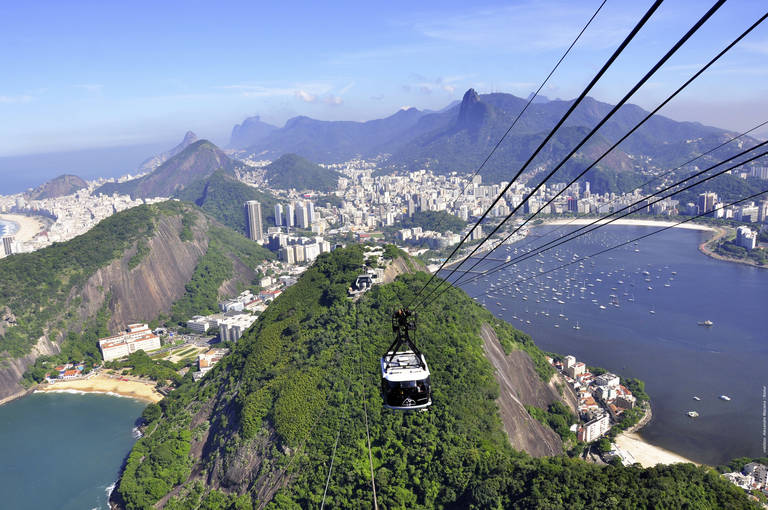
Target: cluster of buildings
{"type": "Point", "coordinates": [136, 337]}
{"type": "Point", "coordinates": [752, 478]}
{"type": "Point", "coordinates": [206, 361]}
{"type": "Point", "coordinates": [710, 204]}
{"type": "Point", "coordinates": [601, 398]}
{"type": "Point", "coordinates": [66, 372]}
{"type": "Point", "coordinates": [435, 240]}
{"type": "Point", "coordinates": [72, 215]}
{"type": "Point", "coordinates": [299, 214]}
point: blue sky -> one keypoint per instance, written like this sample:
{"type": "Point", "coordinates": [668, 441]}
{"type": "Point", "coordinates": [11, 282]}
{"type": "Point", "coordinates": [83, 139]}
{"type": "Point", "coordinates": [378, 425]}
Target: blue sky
{"type": "Point", "coordinates": [92, 74]}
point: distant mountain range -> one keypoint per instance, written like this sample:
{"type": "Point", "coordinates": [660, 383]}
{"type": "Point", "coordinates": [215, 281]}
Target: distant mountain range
{"type": "Point", "coordinates": [250, 132]}
{"type": "Point", "coordinates": [460, 136]}
{"type": "Point", "coordinates": [60, 186]}
{"type": "Point", "coordinates": [152, 163]}
{"type": "Point", "coordinates": [196, 161]}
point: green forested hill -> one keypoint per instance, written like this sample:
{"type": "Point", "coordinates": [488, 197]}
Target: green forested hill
{"type": "Point", "coordinates": [223, 196]}
{"type": "Point", "coordinates": [260, 430]}
{"type": "Point", "coordinates": [292, 171]}
{"type": "Point", "coordinates": [171, 254]}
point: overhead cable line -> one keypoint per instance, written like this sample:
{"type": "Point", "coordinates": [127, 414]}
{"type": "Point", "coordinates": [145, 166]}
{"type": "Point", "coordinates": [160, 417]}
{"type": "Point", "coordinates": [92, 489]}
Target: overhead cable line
{"type": "Point", "coordinates": [634, 240]}
{"type": "Point", "coordinates": [335, 445]}
{"type": "Point", "coordinates": [653, 179]}
{"type": "Point", "coordinates": [601, 222]}
{"type": "Point", "coordinates": [605, 119]}
{"type": "Point", "coordinates": [627, 135]}
{"type": "Point", "coordinates": [530, 100]}
{"type": "Point", "coordinates": [365, 406]}
{"type": "Point", "coordinates": [570, 110]}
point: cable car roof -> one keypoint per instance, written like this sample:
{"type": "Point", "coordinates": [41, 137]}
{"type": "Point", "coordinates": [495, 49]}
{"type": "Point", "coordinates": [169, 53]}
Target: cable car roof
{"type": "Point", "coordinates": [404, 366]}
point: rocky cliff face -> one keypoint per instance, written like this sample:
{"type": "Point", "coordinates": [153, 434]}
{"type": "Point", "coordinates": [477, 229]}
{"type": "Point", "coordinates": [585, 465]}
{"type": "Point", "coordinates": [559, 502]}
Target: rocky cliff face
{"type": "Point", "coordinates": [136, 295]}
{"type": "Point", "coordinates": [520, 385]}
{"type": "Point", "coordinates": [150, 288]}
{"type": "Point", "coordinates": [11, 370]}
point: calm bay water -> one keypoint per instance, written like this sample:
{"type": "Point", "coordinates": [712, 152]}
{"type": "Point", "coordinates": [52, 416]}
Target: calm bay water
{"type": "Point", "coordinates": [63, 451]}
{"type": "Point", "coordinates": [677, 358]}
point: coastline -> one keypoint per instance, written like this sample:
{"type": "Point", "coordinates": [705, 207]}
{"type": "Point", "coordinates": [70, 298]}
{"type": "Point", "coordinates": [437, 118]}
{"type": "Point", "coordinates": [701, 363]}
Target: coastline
{"type": "Point", "coordinates": [630, 223]}
{"type": "Point", "coordinates": [647, 454]}
{"type": "Point", "coordinates": [140, 390]}
{"type": "Point", "coordinates": [27, 226]}
{"type": "Point", "coordinates": [719, 234]}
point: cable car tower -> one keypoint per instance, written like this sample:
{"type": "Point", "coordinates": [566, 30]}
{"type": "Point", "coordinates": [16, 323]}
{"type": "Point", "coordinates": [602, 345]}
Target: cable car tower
{"type": "Point", "coordinates": [405, 383]}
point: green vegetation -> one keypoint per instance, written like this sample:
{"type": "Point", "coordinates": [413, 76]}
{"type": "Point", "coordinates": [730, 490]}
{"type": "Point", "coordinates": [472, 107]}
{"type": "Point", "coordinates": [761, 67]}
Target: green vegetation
{"type": "Point", "coordinates": [512, 339]}
{"type": "Point", "coordinates": [142, 365]}
{"type": "Point", "coordinates": [75, 348]}
{"type": "Point", "coordinates": [439, 221]}
{"type": "Point", "coordinates": [223, 196]}
{"type": "Point", "coordinates": [731, 250]}
{"type": "Point", "coordinates": [728, 188]}
{"type": "Point", "coordinates": [293, 171]}
{"type": "Point", "coordinates": [392, 252]}
{"type": "Point", "coordinates": [213, 269]}
{"type": "Point", "coordinates": [301, 374]}
{"type": "Point", "coordinates": [557, 417]}
{"type": "Point", "coordinates": [37, 286]}
{"type": "Point", "coordinates": [142, 250]}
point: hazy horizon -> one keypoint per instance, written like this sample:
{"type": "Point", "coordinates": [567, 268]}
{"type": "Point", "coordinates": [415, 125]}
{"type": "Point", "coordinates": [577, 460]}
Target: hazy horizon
{"type": "Point", "coordinates": [173, 70]}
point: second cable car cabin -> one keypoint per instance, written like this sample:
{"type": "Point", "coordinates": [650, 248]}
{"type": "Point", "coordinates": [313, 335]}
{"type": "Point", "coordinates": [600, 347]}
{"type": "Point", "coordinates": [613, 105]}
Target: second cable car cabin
{"type": "Point", "coordinates": [405, 383]}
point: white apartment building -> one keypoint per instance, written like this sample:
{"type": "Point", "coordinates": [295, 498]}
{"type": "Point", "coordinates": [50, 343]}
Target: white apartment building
{"type": "Point", "coordinates": [138, 337]}
{"type": "Point", "coordinates": [232, 328]}
{"type": "Point", "coordinates": [594, 429]}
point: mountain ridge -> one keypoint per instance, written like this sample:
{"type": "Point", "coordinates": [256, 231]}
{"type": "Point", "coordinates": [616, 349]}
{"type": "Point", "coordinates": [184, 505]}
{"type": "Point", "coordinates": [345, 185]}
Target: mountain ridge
{"type": "Point", "coordinates": [196, 161]}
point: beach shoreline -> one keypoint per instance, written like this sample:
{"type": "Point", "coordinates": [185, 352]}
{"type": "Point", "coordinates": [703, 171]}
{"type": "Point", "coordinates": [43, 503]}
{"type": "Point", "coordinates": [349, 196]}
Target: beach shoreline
{"type": "Point", "coordinates": [647, 454]}
{"type": "Point", "coordinates": [140, 390]}
{"type": "Point", "coordinates": [27, 226]}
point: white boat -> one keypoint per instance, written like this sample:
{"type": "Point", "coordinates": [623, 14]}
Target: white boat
{"type": "Point", "coordinates": [693, 414]}
{"type": "Point", "coordinates": [706, 323]}
{"type": "Point", "coordinates": [577, 325]}
{"type": "Point", "coordinates": [696, 398]}
{"type": "Point", "coordinates": [725, 397]}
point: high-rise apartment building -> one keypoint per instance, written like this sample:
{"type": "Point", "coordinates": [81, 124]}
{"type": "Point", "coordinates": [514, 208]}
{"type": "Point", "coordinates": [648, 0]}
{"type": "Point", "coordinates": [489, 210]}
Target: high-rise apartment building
{"type": "Point", "coordinates": [7, 245]}
{"type": "Point", "coordinates": [253, 220]}
{"type": "Point", "coordinates": [278, 215]}
{"type": "Point", "coordinates": [290, 214]}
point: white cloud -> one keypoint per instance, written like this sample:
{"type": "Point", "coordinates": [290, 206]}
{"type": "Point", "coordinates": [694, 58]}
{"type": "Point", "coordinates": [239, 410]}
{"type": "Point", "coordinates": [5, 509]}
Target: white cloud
{"type": "Point", "coordinates": [333, 100]}
{"type": "Point", "coordinates": [24, 98]}
{"type": "Point", "coordinates": [306, 96]}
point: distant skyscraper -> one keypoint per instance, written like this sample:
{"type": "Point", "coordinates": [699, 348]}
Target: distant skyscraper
{"type": "Point", "coordinates": [311, 211]}
{"type": "Point", "coordinates": [8, 245]}
{"type": "Point", "coordinates": [253, 220]}
{"type": "Point", "coordinates": [290, 214]}
{"type": "Point", "coordinates": [302, 216]}
{"type": "Point", "coordinates": [278, 215]}
{"type": "Point", "coordinates": [707, 202]}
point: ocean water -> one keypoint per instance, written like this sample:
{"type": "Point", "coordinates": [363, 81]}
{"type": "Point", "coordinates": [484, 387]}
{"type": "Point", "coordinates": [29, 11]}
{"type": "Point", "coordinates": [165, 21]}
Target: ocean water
{"type": "Point", "coordinates": [677, 358]}
{"type": "Point", "coordinates": [63, 451]}
{"type": "Point", "coordinates": [7, 227]}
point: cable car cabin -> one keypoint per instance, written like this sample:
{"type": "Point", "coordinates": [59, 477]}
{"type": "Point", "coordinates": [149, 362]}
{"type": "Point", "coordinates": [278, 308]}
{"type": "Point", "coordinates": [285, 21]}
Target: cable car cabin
{"type": "Point", "coordinates": [405, 384]}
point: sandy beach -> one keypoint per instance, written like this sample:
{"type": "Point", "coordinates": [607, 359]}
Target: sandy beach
{"type": "Point", "coordinates": [645, 453]}
{"type": "Point", "coordinates": [631, 223]}
{"type": "Point", "coordinates": [103, 384]}
{"type": "Point", "coordinates": [29, 226]}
